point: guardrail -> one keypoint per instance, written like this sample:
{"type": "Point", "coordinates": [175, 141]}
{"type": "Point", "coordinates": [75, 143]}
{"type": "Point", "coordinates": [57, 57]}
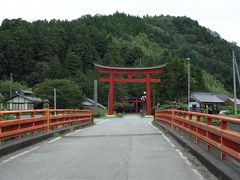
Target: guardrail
{"type": "Point", "coordinates": [29, 122]}
{"type": "Point", "coordinates": [214, 131]}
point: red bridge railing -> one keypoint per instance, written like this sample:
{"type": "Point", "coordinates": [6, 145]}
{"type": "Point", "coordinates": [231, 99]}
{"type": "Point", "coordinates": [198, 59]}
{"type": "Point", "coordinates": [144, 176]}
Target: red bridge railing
{"type": "Point", "coordinates": [214, 131]}
{"type": "Point", "coordinates": [29, 122]}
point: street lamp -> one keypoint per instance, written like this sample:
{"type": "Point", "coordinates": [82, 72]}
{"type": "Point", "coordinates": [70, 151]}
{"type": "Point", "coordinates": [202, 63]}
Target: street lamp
{"type": "Point", "coordinates": [143, 98]}
{"type": "Point", "coordinates": [188, 60]}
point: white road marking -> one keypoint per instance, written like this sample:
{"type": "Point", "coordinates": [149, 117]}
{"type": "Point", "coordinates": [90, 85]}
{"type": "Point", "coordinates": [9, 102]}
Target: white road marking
{"type": "Point", "coordinates": [164, 136]}
{"type": "Point", "coordinates": [54, 140]}
{"type": "Point", "coordinates": [190, 164]}
{"type": "Point", "coordinates": [179, 152]}
{"type": "Point", "coordinates": [198, 174]}
{"type": "Point", "coordinates": [73, 132]}
{"type": "Point", "coordinates": [154, 127]}
{"type": "Point", "coordinates": [21, 154]}
{"type": "Point", "coordinates": [102, 121]}
{"type": "Point", "coordinates": [69, 133]}
{"type": "Point", "coordinates": [183, 157]}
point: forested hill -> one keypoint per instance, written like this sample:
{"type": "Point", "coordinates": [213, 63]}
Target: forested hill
{"type": "Point", "coordinates": [40, 52]}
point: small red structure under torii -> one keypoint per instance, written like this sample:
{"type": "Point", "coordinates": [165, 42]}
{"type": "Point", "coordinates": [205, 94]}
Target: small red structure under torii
{"type": "Point", "coordinates": [135, 100]}
{"type": "Point", "coordinates": [112, 78]}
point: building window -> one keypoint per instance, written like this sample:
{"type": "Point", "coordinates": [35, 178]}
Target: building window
{"type": "Point", "coordinates": [18, 106]}
{"type": "Point", "coordinates": [30, 106]}
{"type": "Point", "coordinates": [194, 107]}
{"type": "Point", "coordinates": [21, 106]}
{"type": "Point", "coordinates": [8, 106]}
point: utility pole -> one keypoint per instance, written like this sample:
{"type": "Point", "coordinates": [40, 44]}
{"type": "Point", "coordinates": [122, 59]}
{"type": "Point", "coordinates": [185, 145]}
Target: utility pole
{"type": "Point", "coordinates": [237, 70]}
{"type": "Point", "coordinates": [188, 60]}
{"type": "Point", "coordinates": [55, 98]}
{"type": "Point", "coordinates": [95, 94]}
{"type": "Point", "coordinates": [10, 87]}
{"type": "Point", "coordinates": [234, 82]}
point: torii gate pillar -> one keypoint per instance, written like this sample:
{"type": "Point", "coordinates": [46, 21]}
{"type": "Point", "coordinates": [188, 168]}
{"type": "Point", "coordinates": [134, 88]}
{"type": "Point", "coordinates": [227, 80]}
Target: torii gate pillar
{"type": "Point", "coordinates": [111, 95]}
{"type": "Point", "coordinates": [147, 71]}
{"type": "Point", "coordinates": [148, 95]}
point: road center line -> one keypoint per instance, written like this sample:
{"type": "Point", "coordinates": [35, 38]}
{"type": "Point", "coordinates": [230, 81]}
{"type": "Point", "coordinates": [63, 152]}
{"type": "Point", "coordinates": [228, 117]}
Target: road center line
{"type": "Point", "coordinates": [21, 154]}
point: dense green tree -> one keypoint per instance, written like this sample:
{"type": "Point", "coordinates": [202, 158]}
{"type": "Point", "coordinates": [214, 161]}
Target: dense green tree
{"type": "Point", "coordinates": [73, 62]}
{"type": "Point", "coordinates": [56, 70]}
{"type": "Point", "coordinates": [7, 88]}
{"type": "Point", "coordinates": [69, 94]}
{"type": "Point", "coordinates": [40, 72]}
{"type": "Point", "coordinates": [113, 56]}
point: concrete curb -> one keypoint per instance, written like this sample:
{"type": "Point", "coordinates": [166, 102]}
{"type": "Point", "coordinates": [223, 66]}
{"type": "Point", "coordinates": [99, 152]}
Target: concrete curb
{"type": "Point", "coordinates": [218, 167]}
{"type": "Point", "coordinates": [25, 142]}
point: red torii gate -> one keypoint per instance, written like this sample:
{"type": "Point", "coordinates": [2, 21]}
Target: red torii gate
{"type": "Point", "coordinates": [112, 71]}
{"type": "Point", "coordinates": [135, 100]}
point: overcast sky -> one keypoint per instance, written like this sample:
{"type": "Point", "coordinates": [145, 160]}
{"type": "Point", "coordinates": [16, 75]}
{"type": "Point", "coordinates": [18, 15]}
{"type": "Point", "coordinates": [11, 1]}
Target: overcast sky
{"type": "Point", "coordinates": [222, 16]}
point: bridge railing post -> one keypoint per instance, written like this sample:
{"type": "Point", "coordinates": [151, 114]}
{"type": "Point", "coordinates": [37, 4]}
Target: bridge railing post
{"type": "Point", "coordinates": [172, 117]}
{"type": "Point", "coordinates": [47, 114]}
{"type": "Point", "coordinates": [92, 118]}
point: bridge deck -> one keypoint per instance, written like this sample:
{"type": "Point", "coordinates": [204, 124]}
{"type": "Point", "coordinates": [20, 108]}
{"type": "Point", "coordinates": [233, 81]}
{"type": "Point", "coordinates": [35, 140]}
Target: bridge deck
{"type": "Point", "coordinates": [126, 148]}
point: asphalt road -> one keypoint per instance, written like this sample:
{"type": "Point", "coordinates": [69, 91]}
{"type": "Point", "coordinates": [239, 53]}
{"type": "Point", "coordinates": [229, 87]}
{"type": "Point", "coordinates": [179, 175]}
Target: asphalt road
{"type": "Point", "coordinates": [126, 148]}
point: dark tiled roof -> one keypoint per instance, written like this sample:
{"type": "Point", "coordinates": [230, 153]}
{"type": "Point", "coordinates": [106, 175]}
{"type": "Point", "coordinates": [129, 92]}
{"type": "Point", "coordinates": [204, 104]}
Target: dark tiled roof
{"type": "Point", "coordinates": [206, 97]}
{"type": "Point", "coordinates": [237, 101]}
{"type": "Point", "coordinates": [31, 98]}
{"type": "Point", "coordinates": [89, 102]}
{"type": "Point", "coordinates": [130, 68]}
{"type": "Point", "coordinates": [27, 95]}
{"type": "Point", "coordinates": [222, 97]}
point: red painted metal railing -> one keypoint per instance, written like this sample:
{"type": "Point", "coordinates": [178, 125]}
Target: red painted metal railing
{"type": "Point", "coordinates": [212, 130]}
{"type": "Point", "coordinates": [29, 122]}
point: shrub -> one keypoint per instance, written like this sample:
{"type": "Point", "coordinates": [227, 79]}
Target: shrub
{"type": "Point", "coordinates": [119, 107]}
{"type": "Point", "coordinates": [119, 115]}
{"type": "Point", "coordinates": [8, 117]}
{"type": "Point", "coordinates": [142, 113]}
{"type": "Point", "coordinates": [99, 112]}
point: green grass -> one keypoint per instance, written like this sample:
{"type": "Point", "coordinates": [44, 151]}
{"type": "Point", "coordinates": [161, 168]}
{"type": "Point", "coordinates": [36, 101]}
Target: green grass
{"type": "Point", "coordinates": [204, 120]}
{"type": "Point", "coordinates": [56, 134]}
{"type": "Point", "coordinates": [232, 115]}
{"type": "Point", "coordinates": [8, 117]}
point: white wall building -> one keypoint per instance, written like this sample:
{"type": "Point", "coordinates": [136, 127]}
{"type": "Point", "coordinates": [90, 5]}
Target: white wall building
{"type": "Point", "coordinates": [22, 100]}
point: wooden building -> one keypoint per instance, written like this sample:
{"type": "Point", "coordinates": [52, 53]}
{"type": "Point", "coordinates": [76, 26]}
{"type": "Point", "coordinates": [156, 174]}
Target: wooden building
{"type": "Point", "coordinates": [207, 101]}
{"type": "Point", "coordinates": [22, 100]}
